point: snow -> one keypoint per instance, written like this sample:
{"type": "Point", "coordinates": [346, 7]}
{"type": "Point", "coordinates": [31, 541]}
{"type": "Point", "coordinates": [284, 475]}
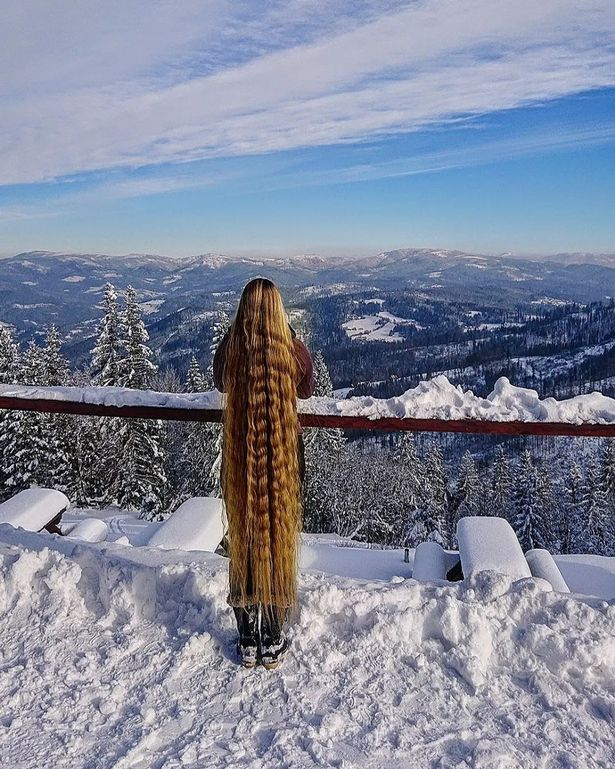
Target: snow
{"type": "Point", "coordinates": [430, 562]}
{"type": "Point", "coordinates": [542, 564]}
{"type": "Point", "coordinates": [377, 328]}
{"type": "Point", "coordinates": [122, 657]}
{"type": "Point", "coordinates": [151, 306]}
{"type": "Point", "coordinates": [33, 508]}
{"type": "Point", "coordinates": [371, 328]}
{"type": "Point", "coordinates": [490, 544]}
{"type": "Point", "coordinates": [588, 574]}
{"type": "Point", "coordinates": [197, 524]}
{"type": "Point", "coordinates": [73, 279]}
{"type": "Point", "coordinates": [433, 399]}
{"type": "Point", "coordinates": [89, 530]}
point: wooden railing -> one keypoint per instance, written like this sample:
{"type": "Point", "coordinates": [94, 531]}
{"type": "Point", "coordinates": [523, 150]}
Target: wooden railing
{"type": "Point", "coordinates": [346, 422]}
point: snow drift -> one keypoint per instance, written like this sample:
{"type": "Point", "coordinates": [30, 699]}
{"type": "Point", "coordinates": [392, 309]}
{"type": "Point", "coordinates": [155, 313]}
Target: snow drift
{"type": "Point", "coordinates": [124, 657]}
{"type": "Point", "coordinates": [433, 399]}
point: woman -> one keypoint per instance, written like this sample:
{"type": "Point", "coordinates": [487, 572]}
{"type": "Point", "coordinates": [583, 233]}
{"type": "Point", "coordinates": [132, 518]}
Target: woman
{"type": "Point", "coordinates": [262, 367]}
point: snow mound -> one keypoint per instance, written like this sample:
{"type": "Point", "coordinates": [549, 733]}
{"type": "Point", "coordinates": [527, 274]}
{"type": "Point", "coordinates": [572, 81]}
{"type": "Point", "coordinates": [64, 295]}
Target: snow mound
{"type": "Point", "coordinates": [436, 398]}
{"type": "Point", "coordinates": [33, 508]}
{"type": "Point", "coordinates": [134, 663]}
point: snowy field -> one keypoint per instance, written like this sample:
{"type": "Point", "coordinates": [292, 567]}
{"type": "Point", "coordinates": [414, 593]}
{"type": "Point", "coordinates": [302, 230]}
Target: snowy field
{"type": "Point", "coordinates": [123, 656]}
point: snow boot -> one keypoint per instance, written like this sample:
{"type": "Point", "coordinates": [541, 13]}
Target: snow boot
{"type": "Point", "coordinates": [274, 643]}
{"type": "Point", "coordinates": [247, 645]}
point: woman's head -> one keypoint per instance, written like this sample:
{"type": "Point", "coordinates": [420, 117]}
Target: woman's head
{"type": "Point", "coordinates": [261, 304]}
{"type": "Point", "coordinates": [260, 467]}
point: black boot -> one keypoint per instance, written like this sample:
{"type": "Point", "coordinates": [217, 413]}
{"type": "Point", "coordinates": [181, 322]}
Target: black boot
{"type": "Point", "coordinates": [274, 643]}
{"type": "Point", "coordinates": [247, 624]}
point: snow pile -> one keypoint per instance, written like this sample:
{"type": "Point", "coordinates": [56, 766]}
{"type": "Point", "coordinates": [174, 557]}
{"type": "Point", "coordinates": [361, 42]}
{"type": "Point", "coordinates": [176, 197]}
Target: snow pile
{"type": "Point", "coordinates": [439, 399]}
{"type": "Point", "coordinates": [197, 524]}
{"type": "Point", "coordinates": [433, 399]}
{"type": "Point", "coordinates": [131, 664]}
{"type": "Point", "coordinates": [33, 508]}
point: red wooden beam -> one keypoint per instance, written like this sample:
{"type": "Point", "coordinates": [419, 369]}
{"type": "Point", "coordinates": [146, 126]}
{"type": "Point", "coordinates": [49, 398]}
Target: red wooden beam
{"type": "Point", "coordinates": [391, 424]}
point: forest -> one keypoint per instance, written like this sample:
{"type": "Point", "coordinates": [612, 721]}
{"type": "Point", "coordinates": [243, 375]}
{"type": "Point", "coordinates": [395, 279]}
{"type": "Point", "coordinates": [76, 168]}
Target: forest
{"type": "Point", "coordinates": [391, 491]}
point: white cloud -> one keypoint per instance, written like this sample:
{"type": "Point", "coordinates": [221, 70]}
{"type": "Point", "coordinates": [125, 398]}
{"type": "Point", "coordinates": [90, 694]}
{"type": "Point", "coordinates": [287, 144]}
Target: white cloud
{"type": "Point", "coordinates": [391, 68]}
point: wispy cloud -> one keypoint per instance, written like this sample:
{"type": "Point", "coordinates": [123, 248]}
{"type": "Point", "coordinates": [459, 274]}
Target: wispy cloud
{"type": "Point", "coordinates": [196, 80]}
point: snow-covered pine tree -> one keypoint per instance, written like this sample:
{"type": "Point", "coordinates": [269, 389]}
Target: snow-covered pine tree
{"type": "Point", "coordinates": [549, 514]}
{"type": "Point", "coordinates": [135, 367]}
{"type": "Point", "coordinates": [221, 326]}
{"type": "Point", "coordinates": [530, 522]}
{"type": "Point", "coordinates": [500, 487]}
{"type": "Point", "coordinates": [323, 449]}
{"type": "Point", "coordinates": [107, 352]}
{"type": "Point", "coordinates": [141, 478]}
{"type": "Point", "coordinates": [411, 483]}
{"type": "Point", "coordinates": [433, 514]}
{"type": "Point", "coordinates": [56, 467]}
{"type": "Point", "coordinates": [571, 522]}
{"type": "Point", "coordinates": [26, 441]}
{"type": "Point", "coordinates": [199, 446]}
{"type": "Point", "coordinates": [466, 494]}
{"type": "Point", "coordinates": [607, 462]}
{"type": "Point", "coordinates": [195, 381]}
{"type": "Point", "coordinates": [105, 367]}
{"type": "Point", "coordinates": [595, 535]}
{"type": "Point", "coordinates": [10, 364]}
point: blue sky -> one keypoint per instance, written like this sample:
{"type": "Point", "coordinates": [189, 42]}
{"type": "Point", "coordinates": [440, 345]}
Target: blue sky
{"type": "Point", "coordinates": [350, 126]}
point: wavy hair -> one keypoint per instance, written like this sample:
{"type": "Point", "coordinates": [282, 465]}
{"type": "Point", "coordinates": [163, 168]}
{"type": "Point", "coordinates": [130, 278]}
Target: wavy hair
{"type": "Point", "coordinates": [260, 468]}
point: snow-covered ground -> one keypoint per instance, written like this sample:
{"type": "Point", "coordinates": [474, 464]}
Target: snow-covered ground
{"type": "Point", "coordinates": [119, 656]}
{"type": "Point", "coordinates": [433, 399]}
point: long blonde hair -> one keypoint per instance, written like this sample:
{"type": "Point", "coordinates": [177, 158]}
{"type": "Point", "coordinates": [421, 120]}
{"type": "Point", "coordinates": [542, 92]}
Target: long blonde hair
{"type": "Point", "coordinates": [260, 473]}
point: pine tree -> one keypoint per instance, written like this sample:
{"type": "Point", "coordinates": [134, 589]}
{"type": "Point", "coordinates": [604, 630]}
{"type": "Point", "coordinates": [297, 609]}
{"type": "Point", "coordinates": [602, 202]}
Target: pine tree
{"type": "Point", "coordinates": [136, 368]}
{"type": "Point", "coordinates": [10, 365]}
{"type": "Point", "coordinates": [571, 522]}
{"type": "Point", "coordinates": [107, 353]}
{"type": "Point", "coordinates": [433, 514]}
{"type": "Point", "coordinates": [106, 368]}
{"type": "Point", "coordinates": [323, 448]}
{"type": "Point", "coordinates": [410, 473]}
{"type": "Point", "coordinates": [25, 443]}
{"type": "Point", "coordinates": [221, 326]}
{"type": "Point", "coordinates": [466, 495]}
{"type": "Point", "coordinates": [141, 477]}
{"type": "Point", "coordinates": [199, 446]}
{"type": "Point", "coordinates": [195, 381]}
{"type": "Point", "coordinates": [530, 522]}
{"type": "Point", "coordinates": [595, 536]}
{"type": "Point", "coordinates": [500, 490]}
{"type": "Point", "coordinates": [57, 428]}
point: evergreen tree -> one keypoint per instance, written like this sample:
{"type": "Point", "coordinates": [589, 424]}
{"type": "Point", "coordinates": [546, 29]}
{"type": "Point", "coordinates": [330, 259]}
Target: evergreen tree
{"type": "Point", "coordinates": [323, 448]}
{"type": "Point", "coordinates": [57, 429]}
{"type": "Point", "coordinates": [571, 524]}
{"type": "Point", "coordinates": [106, 368]}
{"type": "Point", "coordinates": [136, 368]}
{"type": "Point", "coordinates": [141, 477]}
{"type": "Point", "coordinates": [221, 326]}
{"type": "Point", "coordinates": [10, 421]}
{"type": "Point", "coordinates": [595, 536]}
{"type": "Point", "coordinates": [411, 478]}
{"type": "Point", "coordinates": [199, 446]}
{"type": "Point", "coordinates": [500, 490]}
{"type": "Point", "coordinates": [25, 443]}
{"type": "Point", "coordinates": [195, 381]}
{"type": "Point", "coordinates": [107, 353]}
{"type": "Point", "coordinates": [433, 514]}
{"type": "Point", "coordinates": [466, 495]}
{"type": "Point", "coordinates": [530, 522]}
